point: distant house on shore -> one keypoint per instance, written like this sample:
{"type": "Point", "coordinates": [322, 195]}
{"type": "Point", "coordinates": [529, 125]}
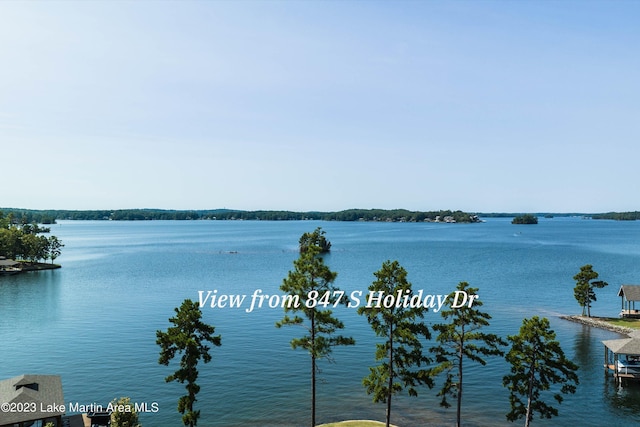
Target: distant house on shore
{"type": "Point", "coordinates": [37, 400]}
{"type": "Point", "coordinates": [629, 294]}
{"type": "Point", "coordinates": [9, 266]}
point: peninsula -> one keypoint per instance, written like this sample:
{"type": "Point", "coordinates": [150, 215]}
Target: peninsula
{"type": "Point", "coordinates": [23, 246]}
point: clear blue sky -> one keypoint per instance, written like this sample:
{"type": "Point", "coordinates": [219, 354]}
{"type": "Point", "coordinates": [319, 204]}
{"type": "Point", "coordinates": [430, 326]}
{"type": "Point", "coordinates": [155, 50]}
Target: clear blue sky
{"type": "Point", "coordinates": [320, 105]}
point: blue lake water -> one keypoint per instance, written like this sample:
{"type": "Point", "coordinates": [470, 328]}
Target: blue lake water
{"type": "Point", "coordinates": [94, 321]}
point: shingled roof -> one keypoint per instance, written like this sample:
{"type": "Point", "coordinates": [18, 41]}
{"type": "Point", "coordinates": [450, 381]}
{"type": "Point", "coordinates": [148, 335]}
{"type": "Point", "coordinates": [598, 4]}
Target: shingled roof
{"type": "Point", "coordinates": [630, 292]}
{"type": "Point", "coordinates": [43, 390]}
{"type": "Point", "coordinates": [4, 262]}
{"type": "Point", "coordinates": [624, 346]}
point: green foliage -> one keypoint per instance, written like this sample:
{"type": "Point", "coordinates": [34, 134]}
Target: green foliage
{"type": "Point", "coordinates": [525, 219]}
{"type": "Point", "coordinates": [537, 362]}
{"type": "Point", "coordinates": [394, 215]}
{"type": "Point", "coordinates": [403, 364]}
{"type": "Point", "coordinates": [124, 418]}
{"type": "Point", "coordinates": [618, 216]}
{"type": "Point", "coordinates": [584, 291]}
{"type": "Point", "coordinates": [311, 283]}
{"type": "Point", "coordinates": [316, 238]}
{"type": "Point", "coordinates": [55, 246]}
{"type": "Point", "coordinates": [460, 338]}
{"type": "Point", "coordinates": [398, 215]}
{"type": "Point", "coordinates": [189, 337]}
{"type": "Point", "coordinates": [23, 240]}
{"type": "Point", "coordinates": [28, 216]}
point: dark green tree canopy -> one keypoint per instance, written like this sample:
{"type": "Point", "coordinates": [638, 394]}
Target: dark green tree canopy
{"type": "Point", "coordinates": [25, 241]}
{"type": "Point", "coordinates": [537, 363]}
{"type": "Point", "coordinates": [310, 284]}
{"type": "Point", "coordinates": [460, 338]}
{"type": "Point", "coordinates": [525, 219]}
{"type": "Point", "coordinates": [316, 238]}
{"type": "Point", "coordinates": [586, 283]}
{"type": "Point", "coordinates": [189, 336]}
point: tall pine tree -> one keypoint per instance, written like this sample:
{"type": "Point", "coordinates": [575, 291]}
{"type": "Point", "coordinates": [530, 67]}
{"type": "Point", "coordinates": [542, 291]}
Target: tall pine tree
{"type": "Point", "coordinates": [537, 363]}
{"type": "Point", "coordinates": [189, 336]}
{"type": "Point", "coordinates": [584, 291]}
{"type": "Point", "coordinates": [310, 284]}
{"type": "Point", "coordinates": [460, 339]}
{"type": "Point", "coordinates": [403, 365]}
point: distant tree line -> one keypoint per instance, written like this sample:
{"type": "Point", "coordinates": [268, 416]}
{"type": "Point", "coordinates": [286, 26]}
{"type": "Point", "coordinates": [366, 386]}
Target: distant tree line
{"type": "Point", "coordinates": [400, 215]}
{"type": "Point", "coordinates": [25, 240]}
{"type": "Point", "coordinates": [28, 216]}
{"type": "Point", "coordinates": [618, 216]}
{"type": "Point", "coordinates": [394, 215]}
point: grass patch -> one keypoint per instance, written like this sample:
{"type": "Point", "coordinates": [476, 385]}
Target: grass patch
{"type": "Point", "coordinates": [354, 423]}
{"type": "Point", "coordinates": [625, 322]}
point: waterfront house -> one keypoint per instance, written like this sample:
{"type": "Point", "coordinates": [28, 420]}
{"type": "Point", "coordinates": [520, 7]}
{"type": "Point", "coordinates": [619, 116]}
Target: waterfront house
{"type": "Point", "coordinates": [31, 401]}
{"type": "Point", "coordinates": [9, 266]}
{"type": "Point", "coordinates": [629, 294]}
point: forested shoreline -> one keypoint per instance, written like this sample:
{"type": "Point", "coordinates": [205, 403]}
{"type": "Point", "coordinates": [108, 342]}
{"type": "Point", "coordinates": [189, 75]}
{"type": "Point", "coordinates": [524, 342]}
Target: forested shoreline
{"type": "Point", "coordinates": [50, 216]}
{"type": "Point", "coordinates": [394, 215]}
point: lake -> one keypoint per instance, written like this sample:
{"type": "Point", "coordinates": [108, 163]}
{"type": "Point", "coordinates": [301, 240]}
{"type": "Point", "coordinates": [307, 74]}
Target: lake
{"type": "Point", "coordinates": [94, 320]}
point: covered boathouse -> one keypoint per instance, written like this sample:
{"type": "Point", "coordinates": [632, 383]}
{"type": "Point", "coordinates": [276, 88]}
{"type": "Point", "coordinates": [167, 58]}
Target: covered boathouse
{"type": "Point", "coordinates": [622, 357]}
{"type": "Point", "coordinates": [629, 294]}
{"type": "Point", "coordinates": [37, 400]}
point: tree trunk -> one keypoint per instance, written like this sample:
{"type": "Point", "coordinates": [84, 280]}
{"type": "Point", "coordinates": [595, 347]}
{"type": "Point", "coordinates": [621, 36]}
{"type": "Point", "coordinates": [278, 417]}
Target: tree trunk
{"type": "Point", "coordinates": [586, 303]}
{"type": "Point", "coordinates": [313, 368]}
{"type": "Point", "coordinates": [530, 393]}
{"type": "Point", "coordinates": [390, 385]}
{"type": "Point", "coordinates": [460, 354]}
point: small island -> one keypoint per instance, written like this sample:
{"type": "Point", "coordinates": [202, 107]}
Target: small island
{"type": "Point", "coordinates": [525, 219]}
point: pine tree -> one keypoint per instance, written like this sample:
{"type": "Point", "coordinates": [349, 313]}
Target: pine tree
{"type": "Point", "coordinates": [189, 336]}
{"type": "Point", "coordinates": [310, 284]}
{"type": "Point", "coordinates": [460, 338]}
{"type": "Point", "coordinates": [584, 290]}
{"type": "Point", "coordinates": [537, 362]}
{"type": "Point", "coordinates": [403, 364]}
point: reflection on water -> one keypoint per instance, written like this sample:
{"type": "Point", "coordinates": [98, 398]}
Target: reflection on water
{"type": "Point", "coordinates": [583, 348]}
{"type": "Point", "coordinates": [623, 397]}
{"type": "Point", "coordinates": [38, 292]}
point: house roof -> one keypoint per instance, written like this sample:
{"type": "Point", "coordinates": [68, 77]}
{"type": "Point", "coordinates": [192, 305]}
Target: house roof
{"type": "Point", "coordinates": [8, 262]}
{"type": "Point", "coordinates": [624, 346]}
{"type": "Point", "coordinates": [42, 390]}
{"type": "Point", "coordinates": [630, 292]}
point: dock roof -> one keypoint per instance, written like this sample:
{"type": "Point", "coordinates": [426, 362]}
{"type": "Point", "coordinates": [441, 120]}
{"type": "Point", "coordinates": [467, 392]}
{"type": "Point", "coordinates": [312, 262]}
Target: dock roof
{"type": "Point", "coordinates": [624, 345]}
{"type": "Point", "coordinates": [630, 292]}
